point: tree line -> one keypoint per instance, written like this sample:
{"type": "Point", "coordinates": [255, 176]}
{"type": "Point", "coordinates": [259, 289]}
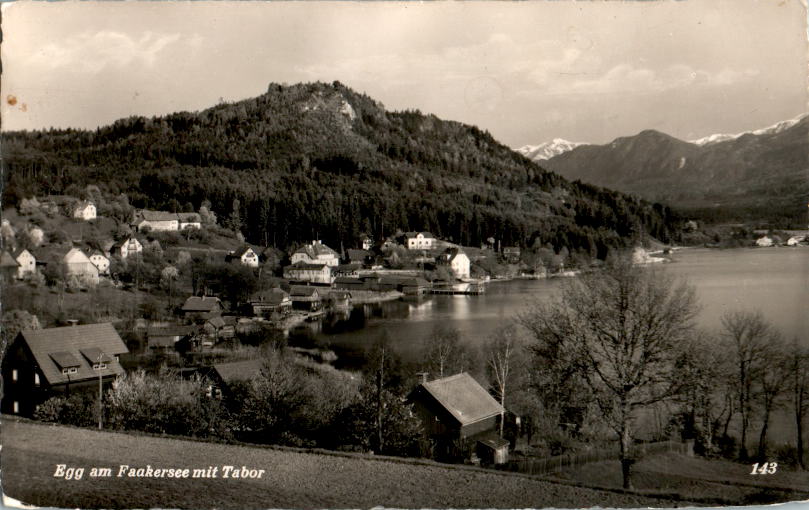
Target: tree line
{"type": "Point", "coordinates": [290, 167]}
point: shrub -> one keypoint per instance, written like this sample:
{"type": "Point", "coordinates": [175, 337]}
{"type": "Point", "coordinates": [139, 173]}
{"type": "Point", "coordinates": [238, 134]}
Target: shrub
{"type": "Point", "coordinates": [165, 403]}
{"type": "Point", "coordinates": [80, 409]}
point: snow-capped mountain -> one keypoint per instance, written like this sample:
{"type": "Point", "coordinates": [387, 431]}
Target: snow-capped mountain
{"type": "Point", "coordinates": [547, 150]}
{"type": "Point", "coordinates": [770, 130]}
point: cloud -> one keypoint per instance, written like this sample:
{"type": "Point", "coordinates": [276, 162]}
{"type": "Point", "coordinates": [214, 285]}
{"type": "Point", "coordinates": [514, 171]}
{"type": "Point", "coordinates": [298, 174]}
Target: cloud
{"type": "Point", "coordinates": [628, 79]}
{"type": "Point", "coordinates": [93, 52]}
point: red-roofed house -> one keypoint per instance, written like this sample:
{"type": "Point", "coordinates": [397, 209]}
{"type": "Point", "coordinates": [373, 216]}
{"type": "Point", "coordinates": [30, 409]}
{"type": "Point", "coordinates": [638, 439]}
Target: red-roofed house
{"type": "Point", "coordinates": [41, 363]}
{"type": "Point", "coordinates": [460, 418]}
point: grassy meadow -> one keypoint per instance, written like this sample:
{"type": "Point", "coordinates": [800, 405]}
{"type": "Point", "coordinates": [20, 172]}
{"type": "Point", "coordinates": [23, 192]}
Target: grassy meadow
{"type": "Point", "coordinates": [293, 479]}
{"type": "Point", "coordinates": [699, 479]}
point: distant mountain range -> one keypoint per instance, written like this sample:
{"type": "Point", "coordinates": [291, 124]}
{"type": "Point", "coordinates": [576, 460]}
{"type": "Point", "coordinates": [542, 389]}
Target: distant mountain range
{"type": "Point", "coordinates": [757, 175]}
{"type": "Point", "coordinates": [547, 150]}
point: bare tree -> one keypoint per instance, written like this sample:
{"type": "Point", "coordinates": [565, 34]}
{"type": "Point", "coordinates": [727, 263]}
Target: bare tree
{"type": "Point", "coordinates": [623, 326]}
{"type": "Point", "coordinates": [747, 335]}
{"type": "Point", "coordinates": [798, 363]}
{"type": "Point", "coordinates": [444, 353]}
{"type": "Point", "coordinates": [706, 375]}
{"type": "Point", "coordinates": [773, 382]}
{"type": "Point", "coordinates": [500, 353]}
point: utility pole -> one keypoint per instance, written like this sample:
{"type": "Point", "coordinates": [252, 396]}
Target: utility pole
{"type": "Point", "coordinates": [100, 403]}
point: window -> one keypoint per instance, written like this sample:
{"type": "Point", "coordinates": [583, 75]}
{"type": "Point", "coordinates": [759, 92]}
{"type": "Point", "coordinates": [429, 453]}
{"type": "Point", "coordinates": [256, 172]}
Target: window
{"type": "Point", "coordinates": [36, 379]}
{"type": "Point", "coordinates": [99, 366]}
{"type": "Point", "coordinates": [14, 375]}
{"type": "Point", "coordinates": [72, 370]}
{"type": "Point", "coordinates": [16, 407]}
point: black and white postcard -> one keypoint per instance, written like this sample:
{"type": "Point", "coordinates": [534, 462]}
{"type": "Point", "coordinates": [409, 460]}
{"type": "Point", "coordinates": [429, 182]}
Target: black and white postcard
{"type": "Point", "coordinates": [400, 254]}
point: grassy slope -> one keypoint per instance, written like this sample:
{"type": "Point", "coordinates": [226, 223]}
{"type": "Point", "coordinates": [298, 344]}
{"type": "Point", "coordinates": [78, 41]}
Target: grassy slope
{"type": "Point", "coordinates": [697, 478]}
{"type": "Point", "coordinates": [294, 479]}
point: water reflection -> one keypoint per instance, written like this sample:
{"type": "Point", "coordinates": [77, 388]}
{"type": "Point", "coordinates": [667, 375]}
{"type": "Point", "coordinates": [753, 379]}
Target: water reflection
{"type": "Point", "coordinates": [774, 281]}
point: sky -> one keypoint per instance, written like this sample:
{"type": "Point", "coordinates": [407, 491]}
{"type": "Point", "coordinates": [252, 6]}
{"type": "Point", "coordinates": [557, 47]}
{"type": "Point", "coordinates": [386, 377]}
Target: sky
{"type": "Point", "coordinates": [527, 72]}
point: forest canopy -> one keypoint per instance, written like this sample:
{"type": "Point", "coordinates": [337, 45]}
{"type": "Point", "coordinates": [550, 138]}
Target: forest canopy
{"type": "Point", "coordinates": [322, 161]}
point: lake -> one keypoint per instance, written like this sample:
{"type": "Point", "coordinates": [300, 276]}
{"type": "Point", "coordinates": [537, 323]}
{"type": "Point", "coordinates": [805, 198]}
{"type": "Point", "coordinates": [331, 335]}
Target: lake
{"type": "Point", "coordinates": [772, 280]}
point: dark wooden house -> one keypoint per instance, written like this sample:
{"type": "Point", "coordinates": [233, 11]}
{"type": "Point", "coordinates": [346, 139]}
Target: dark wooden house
{"type": "Point", "coordinates": [43, 363]}
{"type": "Point", "coordinates": [265, 303]}
{"type": "Point", "coordinates": [222, 375]}
{"type": "Point", "coordinates": [460, 420]}
{"type": "Point", "coordinates": [306, 298]}
{"type": "Point", "coordinates": [202, 307]}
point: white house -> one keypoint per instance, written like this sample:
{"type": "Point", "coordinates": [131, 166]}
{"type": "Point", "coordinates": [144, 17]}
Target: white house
{"type": "Point", "coordinates": [189, 220]}
{"type": "Point", "coordinates": [85, 210]}
{"type": "Point", "coordinates": [78, 264]}
{"type": "Point", "coordinates": [458, 262]}
{"type": "Point", "coordinates": [419, 240]}
{"type": "Point", "coordinates": [795, 240]}
{"type": "Point", "coordinates": [156, 220]}
{"type": "Point", "coordinates": [305, 272]}
{"type": "Point", "coordinates": [126, 247]}
{"type": "Point", "coordinates": [764, 241]}
{"type": "Point", "coordinates": [316, 253]}
{"type": "Point", "coordinates": [27, 262]}
{"type": "Point", "coordinates": [245, 255]}
{"type": "Point", "coordinates": [100, 261]}
{"type": "Point", "coordinates": [367, 243]}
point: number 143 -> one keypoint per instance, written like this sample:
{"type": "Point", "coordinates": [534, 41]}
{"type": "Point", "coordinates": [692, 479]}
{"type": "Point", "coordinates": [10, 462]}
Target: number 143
{"type": "Point", "coordinates": [767, 468]}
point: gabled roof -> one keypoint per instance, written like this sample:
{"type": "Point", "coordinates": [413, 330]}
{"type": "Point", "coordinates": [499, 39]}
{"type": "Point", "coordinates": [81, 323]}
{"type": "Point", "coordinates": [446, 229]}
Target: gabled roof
{"type": "Point", "coordinates": [189, 217]}
{"type": "Point", "coordinates": [83, 204]}
{"type": "Point", "coordinates": [239, 370]}
{"type": "Point", "coordinates": [452, 253]}
{"type": "Point", "coordinates": [169, 331]}
{"type": "Point", "coordinates": [200, 304]}
{"type": "Point", "coordinates": [425, 235]}
{"type": "Point", "coordinates": [72, 346]}
{"type": "Point", "coordinates": [118, 244]}
{"type": "Point", "coordinates": [147, 215]}
{"type": "Point", "coordinates": [19, 251]}
{"type": "Point", "coordinates": [75, 255]}
{"type": "Point", "coordinates": [315, 250]}
{"type": "Point", "coordinates": [303, 291]}
{"type": "Point", "coordinates": [274, 296]}
{"type": "Point", "coordinates": [462, 396]}
{"type": "Point", "coordinates": [348, 280]}
{"type": "Point", "coordinates": [97, 253]}
{"type": "Point", "coordinates": [7, 260]}
{"type": "Point", "coordinates": [217, 322]}
{"type": "Point", "coordinates": [242, 250]}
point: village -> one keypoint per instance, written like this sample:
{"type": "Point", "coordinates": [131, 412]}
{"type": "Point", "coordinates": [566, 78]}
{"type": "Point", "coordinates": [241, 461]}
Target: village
{"type": "Point", "coordinates": [169, 291]}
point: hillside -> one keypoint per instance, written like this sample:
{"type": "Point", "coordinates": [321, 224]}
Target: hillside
{"type": "Point", "coordinates": [318, 160]}
{"type": "Point", "coordinates": [292, 480]}
{"type": "Point", "coordinates": [760, 175]}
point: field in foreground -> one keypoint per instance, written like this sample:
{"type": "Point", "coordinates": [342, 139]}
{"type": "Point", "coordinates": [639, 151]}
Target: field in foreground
{"type": "Point", "coordinates": [31, 453]}
{"type": "Point", "coordinates": [729, 483]}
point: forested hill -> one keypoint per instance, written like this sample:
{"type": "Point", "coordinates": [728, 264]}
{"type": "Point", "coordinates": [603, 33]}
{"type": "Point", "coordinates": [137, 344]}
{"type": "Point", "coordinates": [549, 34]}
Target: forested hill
{"type": "Point", "coordinates": [322, 160]}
